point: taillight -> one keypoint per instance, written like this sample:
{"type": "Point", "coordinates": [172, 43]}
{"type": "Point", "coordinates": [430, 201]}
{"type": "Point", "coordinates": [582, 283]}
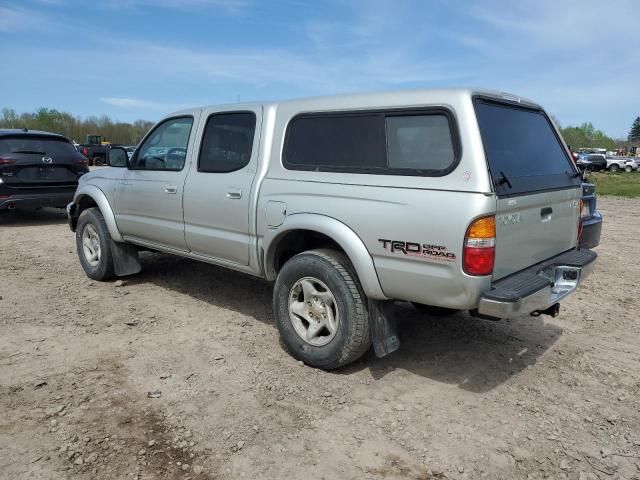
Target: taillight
{"type": "Point", "coordinates": [7, 161]}
{"type": "Point", "coordinates": [584, 209]}
{"type": "Point", "coordinates": [85, 151]}
{"type": "Point", "coordinates": [479, 253]}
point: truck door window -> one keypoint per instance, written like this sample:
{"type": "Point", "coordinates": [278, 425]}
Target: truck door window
{"type": "Point", "coordinates": [166, 147]}
{"type": "Point", "coordinates": [227, 142]}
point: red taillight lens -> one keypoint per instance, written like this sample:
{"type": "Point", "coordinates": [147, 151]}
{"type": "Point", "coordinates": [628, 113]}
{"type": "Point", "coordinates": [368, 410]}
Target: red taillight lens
{"type": "Point", "coordinates": [85, 151]}
{"type": "Point", "coordinates": [7, 161]}
{"type": "Point", "coordinates": [479, 252]}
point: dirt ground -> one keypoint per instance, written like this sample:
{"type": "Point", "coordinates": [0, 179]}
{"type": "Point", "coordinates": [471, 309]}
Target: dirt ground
{"type": "Point", "coordinates": [179, 374]}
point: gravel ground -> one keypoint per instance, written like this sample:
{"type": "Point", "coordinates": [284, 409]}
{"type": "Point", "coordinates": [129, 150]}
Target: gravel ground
{"type": "Point", "coordinates": [178, 374]}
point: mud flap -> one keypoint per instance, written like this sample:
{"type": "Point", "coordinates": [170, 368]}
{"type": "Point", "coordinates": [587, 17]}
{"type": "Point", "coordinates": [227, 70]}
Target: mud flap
{"type": "Point", "coordinates": [384, 335]}
{"type": "Point", "coordinates": [125, 259]}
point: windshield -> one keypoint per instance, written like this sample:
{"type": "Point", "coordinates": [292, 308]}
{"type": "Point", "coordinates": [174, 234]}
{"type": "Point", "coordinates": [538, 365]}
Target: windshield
{"type": "Point", "coordinates": [523, 150]}
{"type": "Point", "coordinates": [36, 145]}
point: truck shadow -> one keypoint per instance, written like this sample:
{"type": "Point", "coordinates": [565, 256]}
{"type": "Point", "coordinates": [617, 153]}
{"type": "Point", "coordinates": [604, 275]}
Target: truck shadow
{"type": "Point", "coordinates": [476, 355]}
{"type": "Point", "coordinates": [32, 217]}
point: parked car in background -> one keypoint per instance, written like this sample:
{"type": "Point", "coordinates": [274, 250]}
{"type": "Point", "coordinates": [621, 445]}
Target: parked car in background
{"type": "Point", "coordinates": [632, 164]}
{"type": "Point", "coordinates": [615, 163]}
{"type": "Point", "coordinates": [590, 218]}
{"type": "Point", "coordinates": [95, 149]}
{"type": "Point", "coordinates": [38, 169]}
{"type": "Point", "coordinates": [593, 162]}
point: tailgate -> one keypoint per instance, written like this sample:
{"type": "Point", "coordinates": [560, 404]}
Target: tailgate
{"type": "Point", "coordinates": [537, 186]}
{"type": "Point", "coordinates": [533, 228]}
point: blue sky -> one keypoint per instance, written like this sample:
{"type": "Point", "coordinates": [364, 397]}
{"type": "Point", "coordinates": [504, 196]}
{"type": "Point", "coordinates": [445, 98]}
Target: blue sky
{"type": "Point", "coordinates": [143, 58]}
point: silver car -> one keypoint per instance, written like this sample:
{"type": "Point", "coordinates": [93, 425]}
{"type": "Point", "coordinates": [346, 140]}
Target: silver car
{"type": "Point", "coordinates": [632, 165]}
{"type": "Point", "coordinates": [452, 199]}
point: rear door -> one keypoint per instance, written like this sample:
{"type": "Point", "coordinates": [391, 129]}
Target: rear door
{"type": "Point", "coordinates": [218, 189]}
{"type": "Point", "coordinates": [538, 188]}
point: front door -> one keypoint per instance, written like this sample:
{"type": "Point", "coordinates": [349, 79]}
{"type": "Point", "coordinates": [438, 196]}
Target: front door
{"type": "Point", "coordinates": [148, 198]}
{"type": "Point", "coordinates": [218, 188]}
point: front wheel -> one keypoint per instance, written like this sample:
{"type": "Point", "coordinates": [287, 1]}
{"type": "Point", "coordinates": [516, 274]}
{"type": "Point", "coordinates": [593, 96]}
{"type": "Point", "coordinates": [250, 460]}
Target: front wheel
{"type": "Point", "coordinates": [628, 169]}
{"type": "Point", "coordinates": [93, 243]}
{"type": "Point", "coordinates": [614, 167]}
{"type": "Point", "coordinates": [320, 310]}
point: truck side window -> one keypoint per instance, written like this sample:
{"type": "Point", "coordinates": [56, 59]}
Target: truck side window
{"type": "Point", "coordinates": [420, 142]}
{"type": "Point", "coordinates": [227, 142]}
{"type": "Point", "coordinates": [166, 147]}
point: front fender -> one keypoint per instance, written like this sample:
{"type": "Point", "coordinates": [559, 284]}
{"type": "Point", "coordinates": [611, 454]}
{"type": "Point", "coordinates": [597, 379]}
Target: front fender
{"type": "Point", "coordinates": [340, 233]}
{"type": "Point", "coordinates": [101, 201]}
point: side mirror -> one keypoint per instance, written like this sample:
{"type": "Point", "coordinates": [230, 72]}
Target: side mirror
{"type": "Point", "coordinates": [118, 157]}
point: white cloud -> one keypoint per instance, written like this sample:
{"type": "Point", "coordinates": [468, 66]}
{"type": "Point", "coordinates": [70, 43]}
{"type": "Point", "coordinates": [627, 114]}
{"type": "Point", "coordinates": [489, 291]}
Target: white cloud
{"type": "Point", "coordinates": [136, 103]}
{"type": "Point", "coordinates": [16, 19]}
{"type": "Point", "coordinates": [576, 57]}
{"type": "Point", "coordinates": [231, 6]}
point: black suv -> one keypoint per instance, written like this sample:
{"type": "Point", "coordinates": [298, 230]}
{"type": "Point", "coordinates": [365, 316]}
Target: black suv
{"type": "Point", "coordinates": [38, 169]}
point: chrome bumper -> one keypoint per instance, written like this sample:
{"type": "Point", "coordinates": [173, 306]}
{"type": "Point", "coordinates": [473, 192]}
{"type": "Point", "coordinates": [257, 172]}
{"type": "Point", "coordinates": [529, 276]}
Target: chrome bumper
{"type": "Point", "coordinates": [557, 280]}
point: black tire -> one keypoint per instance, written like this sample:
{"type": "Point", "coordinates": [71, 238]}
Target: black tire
{"type": "Point", "coordinates": [352, 338]}
{"type": "Point", "coordinates": [628, 169]}
{"type": "Point", "coordinates": [614, 167]}
{"type": "Point", "coordinates": [97, 161]}
{"type": "Point", "coordinates": [433, 310]}
{"type": "Point", "coordinates": [104, 268]}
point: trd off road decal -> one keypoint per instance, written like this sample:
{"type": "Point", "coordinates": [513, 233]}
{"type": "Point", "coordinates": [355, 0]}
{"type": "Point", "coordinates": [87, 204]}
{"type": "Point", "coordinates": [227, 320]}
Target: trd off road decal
{"type": "Point", "coordinates": [425, 250]}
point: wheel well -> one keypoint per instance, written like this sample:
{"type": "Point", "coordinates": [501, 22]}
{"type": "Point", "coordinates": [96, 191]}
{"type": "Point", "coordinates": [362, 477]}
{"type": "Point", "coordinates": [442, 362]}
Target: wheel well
{"type": "Point", "coordinates": [298, 241]}
{"type": "Point", "coordinates": [84, 202]}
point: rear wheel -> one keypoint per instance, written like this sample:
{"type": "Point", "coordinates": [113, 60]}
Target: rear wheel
{"type": "Point", "coordinates": [97, 161]}
{"type": "Point", "coordinates": [614, 167]}
{"type": "Point", "coordinates": [320, 310]}
{"type": "Point", "coordinates": [93, 243]}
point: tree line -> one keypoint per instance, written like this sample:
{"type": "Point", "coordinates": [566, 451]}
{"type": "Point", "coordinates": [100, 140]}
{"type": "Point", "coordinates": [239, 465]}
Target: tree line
{"type": "Point", "coordinates": [76, 128]}
{"type": "Point", "coordinates": [588, 136]}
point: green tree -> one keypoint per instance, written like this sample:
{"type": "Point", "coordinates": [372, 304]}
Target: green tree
{"type": "Point", "coordinates": [587, 136]}
{"type": "Point", "coordinates": [76, 128]}
{"type": "Point", "coordinates": [634, 133]}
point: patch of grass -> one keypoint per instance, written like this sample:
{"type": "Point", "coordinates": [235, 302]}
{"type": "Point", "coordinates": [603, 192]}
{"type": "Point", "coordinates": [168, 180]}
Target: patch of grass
{"type": "Point", "coordinates": [621, 184]}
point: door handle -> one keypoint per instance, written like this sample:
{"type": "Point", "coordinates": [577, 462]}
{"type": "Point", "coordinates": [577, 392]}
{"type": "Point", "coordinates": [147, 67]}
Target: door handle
{"type": "Point", "coordinates": [234, 194]}
{"type": "Point", "coordinates": [546, 214]}
{"type": "Point", "coordinates": [171, 189]}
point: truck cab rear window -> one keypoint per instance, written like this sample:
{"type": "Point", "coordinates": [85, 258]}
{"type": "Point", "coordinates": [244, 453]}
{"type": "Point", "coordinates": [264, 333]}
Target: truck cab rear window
{"type": "Point", "coordinates": [386, 143]}
{"type": "Point", "coordinates": [522, 149]}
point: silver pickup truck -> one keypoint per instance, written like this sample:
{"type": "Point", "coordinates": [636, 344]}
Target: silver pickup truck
{"type": "Point", "coordinates": [452, 199]}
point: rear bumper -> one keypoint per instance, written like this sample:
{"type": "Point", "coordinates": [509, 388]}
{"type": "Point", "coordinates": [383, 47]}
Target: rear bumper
{"type": "Point", "coordinates": [539, 287]}
{"type": "Point", "coordinates": [591, 230]}
{"type": "Point", "coordinates": [37, 200]}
